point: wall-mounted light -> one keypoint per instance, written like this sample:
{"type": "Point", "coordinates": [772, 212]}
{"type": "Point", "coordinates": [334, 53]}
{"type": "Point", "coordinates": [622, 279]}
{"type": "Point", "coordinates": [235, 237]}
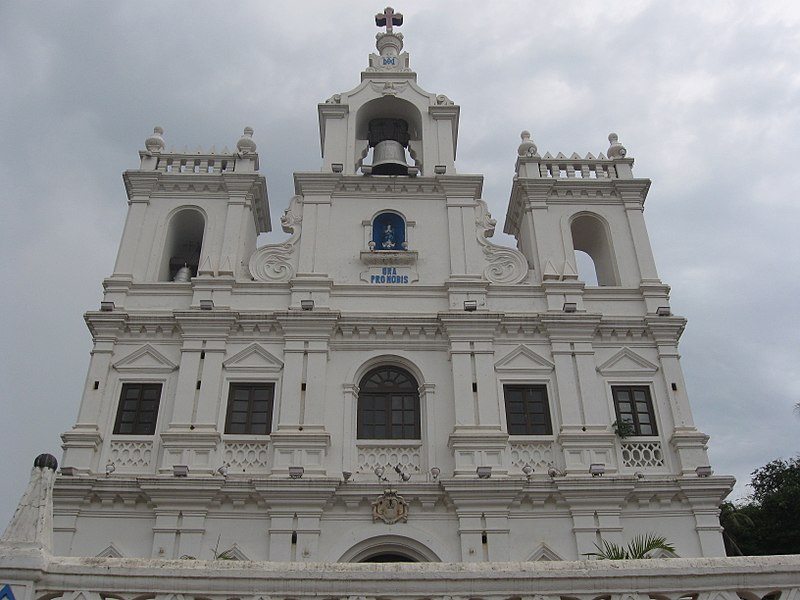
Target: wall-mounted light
{"type": "Point", "coordinates": [337, 167]}
{"type": "Point", "coordinates": [307, 304]}
{"type": "Point", "coordinates": [206, 304]}
{"type": "Point", "coordinates": [110, 468]}
{"type": "Point", "coordinates": [403, 475]}
{"type": "Point", "coordinates": [663, 311]}
{"type": "Point", "coordinates": [470, 305]}
{"type": "Point", "coordinates": [180, 470]}
{"type": "Point", "coordinates": [435, 472]}
{"type": "Point", "coordinates": [69, 471]}
{"type": "Point", "coordinates": [639, 475]}
{"type": "Point", "coordinates": [527, 471]}
{"type": "Point", "coordinates": [106, 306]}
{"type": "Point", "coordinates": [704, 471]}
{"type": "Point", "coordinates": [597, 469]}
{"type": "Point", "coordinates": [346, 475]}
{"type": "Point", "coordinates": [484, 472]}
{"type": "Point", "coordinates": [440, 169]}
{"type": "Point", "coordinates": [223, 470]}
{"type": "Point", "coordinates": [296, 472]}
{"type": "Point", "coordinates": [570, 307]}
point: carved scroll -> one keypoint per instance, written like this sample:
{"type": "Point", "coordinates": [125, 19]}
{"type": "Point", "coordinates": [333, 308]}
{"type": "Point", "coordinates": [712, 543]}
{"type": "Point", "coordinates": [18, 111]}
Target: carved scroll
{"type": "Point", "coordinates": [506, 265]}
{"type": "Point", "coordinates": [274, 262]}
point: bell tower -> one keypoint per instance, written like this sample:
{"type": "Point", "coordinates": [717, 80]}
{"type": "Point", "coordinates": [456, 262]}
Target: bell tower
{"type": "Point", "coordinates": [390, 115]}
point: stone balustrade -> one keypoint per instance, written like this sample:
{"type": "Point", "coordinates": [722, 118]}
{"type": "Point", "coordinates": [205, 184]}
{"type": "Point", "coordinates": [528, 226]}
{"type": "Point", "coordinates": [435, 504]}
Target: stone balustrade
{"type": "Point", "coordinates": [36, 576]}
{"type": "Point", "coordinates": [586, 168]}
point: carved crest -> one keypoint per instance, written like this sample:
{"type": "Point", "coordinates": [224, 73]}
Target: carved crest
{"type": "Point", "coordinates": [390, 508]}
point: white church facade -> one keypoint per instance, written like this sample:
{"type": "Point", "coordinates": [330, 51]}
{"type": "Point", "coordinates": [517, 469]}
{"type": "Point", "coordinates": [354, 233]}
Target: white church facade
{"type": "Point", "coordinates": [387, 384]}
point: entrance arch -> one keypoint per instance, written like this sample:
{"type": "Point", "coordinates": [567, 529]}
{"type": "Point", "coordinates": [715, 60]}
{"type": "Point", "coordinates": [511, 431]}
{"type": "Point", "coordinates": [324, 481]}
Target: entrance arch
{"type": "Point", "coordinates": [389, 548]}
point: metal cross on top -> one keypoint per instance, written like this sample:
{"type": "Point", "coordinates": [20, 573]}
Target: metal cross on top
{"type": "Point", "coordinates": [388, 18]}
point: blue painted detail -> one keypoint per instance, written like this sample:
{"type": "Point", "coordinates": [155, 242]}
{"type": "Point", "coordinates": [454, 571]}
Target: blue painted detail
{"type": "Point", "coordinates": [388, 231]}
{"type": "Point", "coordinates": [7, 592]}
{"type": "Point", "coordinates": [388, 60]}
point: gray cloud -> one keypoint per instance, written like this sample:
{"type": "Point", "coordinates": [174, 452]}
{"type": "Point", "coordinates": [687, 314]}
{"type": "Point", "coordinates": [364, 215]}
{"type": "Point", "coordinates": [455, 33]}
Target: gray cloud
{"type": "Point", "coordinates": [706, 97]}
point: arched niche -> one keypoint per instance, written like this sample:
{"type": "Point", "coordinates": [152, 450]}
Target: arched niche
{"type": "Point", "coordinates": [389, 232]}
{"type": "Point", "coordinates": [389, 107]}
{"type": "Point", "coordinates": [183, 243]}
{"type": "Point", "coordinates": [590, 235]}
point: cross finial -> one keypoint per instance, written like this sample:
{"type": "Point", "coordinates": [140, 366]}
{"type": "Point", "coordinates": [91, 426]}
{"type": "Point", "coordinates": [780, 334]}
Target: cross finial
{"type": "Point", "coordinates": [388, 18]}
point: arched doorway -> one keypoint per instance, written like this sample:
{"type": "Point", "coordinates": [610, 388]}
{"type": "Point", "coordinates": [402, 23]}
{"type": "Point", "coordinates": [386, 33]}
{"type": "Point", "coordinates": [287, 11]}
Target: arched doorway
{"type": "Point", "coordinates": [385, 557]}
{"type": "Point", "coordinates": [389, 548]}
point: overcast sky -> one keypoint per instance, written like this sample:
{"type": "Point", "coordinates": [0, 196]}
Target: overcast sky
{"type": "Point", "coordinates": [704, 95]}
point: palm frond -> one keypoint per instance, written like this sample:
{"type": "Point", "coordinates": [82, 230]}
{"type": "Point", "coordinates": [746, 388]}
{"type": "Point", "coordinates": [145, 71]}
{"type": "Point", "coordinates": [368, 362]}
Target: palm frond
{"type": "Point", "coordinates": [639, 547]}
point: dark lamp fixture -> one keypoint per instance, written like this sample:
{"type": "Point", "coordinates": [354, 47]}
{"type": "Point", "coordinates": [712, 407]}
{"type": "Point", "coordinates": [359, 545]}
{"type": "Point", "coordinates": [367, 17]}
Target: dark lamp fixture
{"type": "Point", "coordinates": [484, 472]}
{"type": "Point", "coordinates": [597, 469]}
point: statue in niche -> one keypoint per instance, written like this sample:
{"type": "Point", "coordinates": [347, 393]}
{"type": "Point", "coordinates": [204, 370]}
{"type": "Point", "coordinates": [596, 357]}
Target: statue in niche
{"type": "Point", "coordinates": [388, 238]}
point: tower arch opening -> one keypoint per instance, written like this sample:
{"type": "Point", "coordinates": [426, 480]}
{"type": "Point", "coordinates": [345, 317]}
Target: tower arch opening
{"type": "Point", "coordinates": [183, 244]}
{"type": "Point", "coordinates": [591, 238]}
{"type": "Point", "coordinates": [388, 130]}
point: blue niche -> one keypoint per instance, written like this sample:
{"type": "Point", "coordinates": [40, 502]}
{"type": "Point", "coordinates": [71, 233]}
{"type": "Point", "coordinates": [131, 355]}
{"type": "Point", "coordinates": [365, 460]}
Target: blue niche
{"type": "Point", "coordinates": [388, 232]}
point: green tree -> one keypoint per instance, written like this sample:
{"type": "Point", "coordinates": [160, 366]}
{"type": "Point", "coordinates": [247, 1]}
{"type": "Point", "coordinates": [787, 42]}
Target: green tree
{"type": "Point", "coordinates": [768, 522]}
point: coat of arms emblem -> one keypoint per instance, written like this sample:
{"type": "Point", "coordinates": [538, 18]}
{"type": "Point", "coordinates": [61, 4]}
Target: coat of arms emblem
{"type": "Point", "coordinates": [390, 508]}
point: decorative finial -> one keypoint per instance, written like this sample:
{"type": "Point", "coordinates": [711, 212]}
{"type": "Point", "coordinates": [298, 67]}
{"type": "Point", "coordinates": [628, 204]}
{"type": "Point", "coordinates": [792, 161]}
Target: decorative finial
{"type": "Point", "coordinates": [527, 147]}
{"type": "Point", "coordinates": [616, 150]}
{"type": "Point", "coordinates": [46, 461]}
{"type": "Point", "coordinates": [246, 145]}
{"type": "Point", "coordinates": [388, 18]}
{"type": "Point", "coordinates": [155, 143]}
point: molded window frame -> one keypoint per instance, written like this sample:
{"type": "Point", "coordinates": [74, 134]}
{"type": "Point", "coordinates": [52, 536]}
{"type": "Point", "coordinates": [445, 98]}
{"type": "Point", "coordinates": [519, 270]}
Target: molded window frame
{"type": "Point", "coordinates": [248, 424]}
{"type": "Point", "coordinates": [636, 411]}
{"type": "Point", "coordinates": [140, 427]}
{"type": "Point", "coordinates": [529, 425]}
{"type": "Point", "coordinates": [390, 414]}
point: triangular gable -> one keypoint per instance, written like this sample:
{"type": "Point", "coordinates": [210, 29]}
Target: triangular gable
{"type": "Point", "coordinates": [110, 551]}
{"type": "Point", "coordinates": [543, 553]}
{"type": "Point", "coordinates": [627, 362]}
{"type": "Point", "coordinates": [235, 553]}
{"type": "Point", "coordinates": [523, 358]}
{"type": "Point", "coordinates": [253, 358]}
{"type": "Point", "coordinates": [661, 553]}
{"type": "Point", "coordinates": [6, 593]}
{"type": "Point", "coordinates": [147, 359]}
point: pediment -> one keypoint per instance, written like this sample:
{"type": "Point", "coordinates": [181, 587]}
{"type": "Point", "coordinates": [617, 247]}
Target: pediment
{"type": "Point", "coordinates": [235, 553]}
{"type": "Point", "coordinates": [253, 358]}
{"type": "Point", "coordinates": [110, 551]}
{"type": "Point", "coordinates": [523, 358]}
{"type": "Point", "coordinates": [627, 362]}
{"type": "Point", "coordinates": [145, 359]}
{"type": "Point", "coordinates": [544, 553]}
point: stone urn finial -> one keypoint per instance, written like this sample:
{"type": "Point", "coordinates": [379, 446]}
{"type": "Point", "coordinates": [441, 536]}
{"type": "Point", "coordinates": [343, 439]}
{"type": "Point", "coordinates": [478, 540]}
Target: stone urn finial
{"type": "Point", "coordinates": [615, 150]}
{"type": "Point", "coordinates": [527, 147]}
{"type": "Point", "coordinates": [155, 143]}
{"type": "Point", "coordinates": [246, 145]}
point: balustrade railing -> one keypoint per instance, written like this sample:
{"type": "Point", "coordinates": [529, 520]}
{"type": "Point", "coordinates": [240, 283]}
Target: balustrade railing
{"type": "Point", "coordinates": [36, 577]}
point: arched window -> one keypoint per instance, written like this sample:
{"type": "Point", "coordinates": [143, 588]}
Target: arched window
{"type": "Point", "coordinates": [183, 244]}
{"type": "Point", "coordinates": [388, 232]}
{"type": "Point", "coordinates": [589, 235]}
{"type": "Point", "coordinates": [388, 405]}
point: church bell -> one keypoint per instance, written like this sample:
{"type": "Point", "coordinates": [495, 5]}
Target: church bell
{"type": "Point", "coordinates": [389, 138]}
